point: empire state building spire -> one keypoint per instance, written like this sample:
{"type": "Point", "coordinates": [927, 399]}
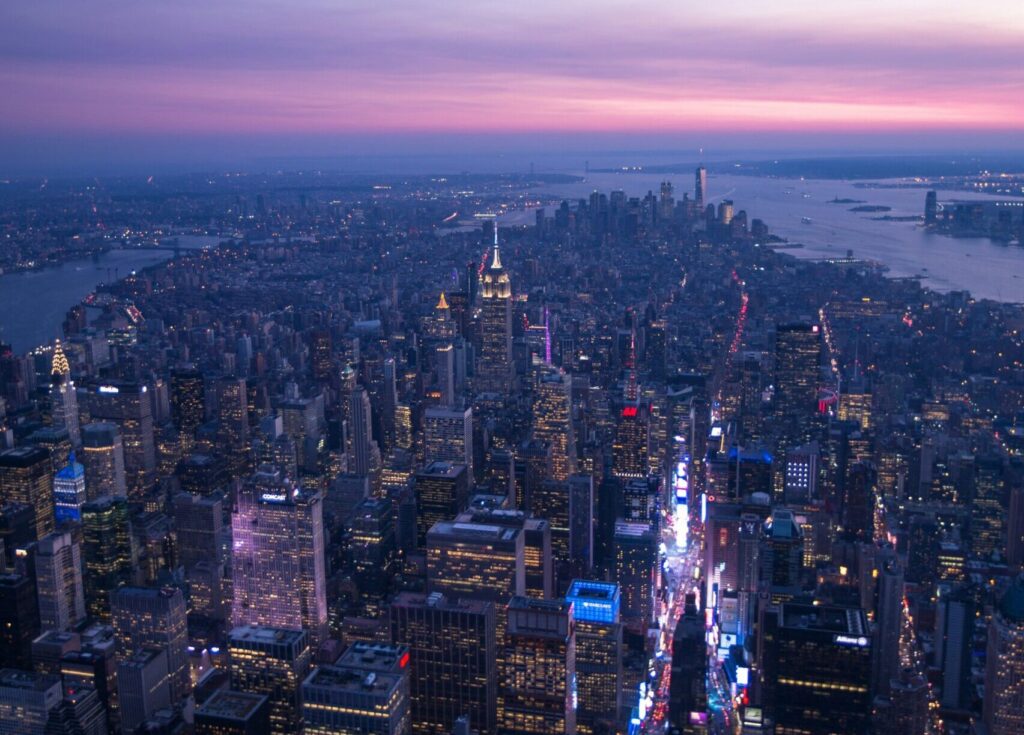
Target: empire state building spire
{"type": "Point", "coordinates": [494, 370]}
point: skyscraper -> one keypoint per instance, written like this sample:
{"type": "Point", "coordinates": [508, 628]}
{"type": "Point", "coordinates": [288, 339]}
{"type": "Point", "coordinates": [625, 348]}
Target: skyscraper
{"type": "Point", "coordinates": [58, 565]}
{"type": "Point", "coordinates": [537, 688]}
{"type": "Point", "coordinates": [273, 662]}
{"type": "Point", "coordinates": [817, 669]}
{"type": "Point", "coordinates": [448, 436]}
{"type": "Point", "coordinates": [598, 654]}
{"type": "Point", "coordinates": [143, 685]}
{"type": "Point", "coordinates": [494, 368]}
{"type": "Point", "coordinates": [888, 623]}
{"type": "Point", "coordinates": [364, 454]}
{"type": "Point", "coordinates": [144, 616]}
{"type": "Point", "coordinates": [188, 399]}
{"type": "Point", "coordinates": [102, 456]}
{"type": "Point", "coordinates": [233, 414]}
{"type": "Point", "coordinates": [475, 561]}
{"type": "Point", "coordinates": [278, 557]}
{"type": "Point", "coordinates": [26, 701]}
{"type": "Point", "coordinates": [688, 695]}
{"type": "Point", "coordinates": [107, 552]}
{"type": "Point", "coordinates": [26, 476]}
{"type": "Point", "coordinates": [69, 491]}
{"type": "Point", "coordinates": [797, 366]}
{"type": "Point", "coordinates": [552, 421]}
{"type": "Point", "coordinates": [442, 490]}
{"type": "Point", "coordinates": [19, 619]}
{"type": "Point", "coordinates": [350, 697]}
{"type": "Point", "coordinates": [452, 660]}
{"type": "Point", "coordinates": [1003, 705]}
{"type": "Point", "coordinates": [128, 405]}
{"type": "Point", "coordinates": [63, 398]}
{"type": "Point", "coordinates": [635, 557]}
{"type": "Point", "coordinates": [701, 186]}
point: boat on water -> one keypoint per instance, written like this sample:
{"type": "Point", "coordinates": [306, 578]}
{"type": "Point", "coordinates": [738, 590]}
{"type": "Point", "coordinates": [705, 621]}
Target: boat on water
{"type": "Point", "coordinates": [806, 220]}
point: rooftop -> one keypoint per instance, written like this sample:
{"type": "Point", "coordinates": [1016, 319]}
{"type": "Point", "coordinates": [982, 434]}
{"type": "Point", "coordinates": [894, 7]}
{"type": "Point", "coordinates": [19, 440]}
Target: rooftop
{"type": "Point", "coordinates": [227, 704]}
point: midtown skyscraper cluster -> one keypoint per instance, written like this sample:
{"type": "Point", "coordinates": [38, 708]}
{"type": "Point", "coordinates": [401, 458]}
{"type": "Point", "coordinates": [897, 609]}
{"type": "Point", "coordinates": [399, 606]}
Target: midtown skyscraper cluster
{"type": "Point", "coordinates": [614, 465]}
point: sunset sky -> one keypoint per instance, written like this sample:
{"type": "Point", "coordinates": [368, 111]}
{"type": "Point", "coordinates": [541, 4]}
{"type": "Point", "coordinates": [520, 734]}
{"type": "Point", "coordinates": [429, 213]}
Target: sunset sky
{"type": "Point", "coordinates": [144, 78]}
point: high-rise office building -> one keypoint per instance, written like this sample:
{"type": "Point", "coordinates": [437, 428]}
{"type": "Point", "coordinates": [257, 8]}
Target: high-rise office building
{"type": "Point", "coordinates": [700, 190]}
{"type": "Point", "coordinates": [552, 421]}
{"type": "Point", "coordinates": [143, 685]}
{"type": "Point", "coordinates": [373, 549]}
{"type": "Point", "coordinates": [154, 618]}
{"type": "Point", "coordinates": [816, 668]}
{"type": "Point", "coordinates": [629, 450]}
{"type": "Point", "coordinates": [537, 687]}
{"type": "Point", "coordinates": [80, 712]}
{"type": "Point", "coordinates": [27, 700]}
{"type": "Point", "coordinates": [537, 555]}
{"type": "Point", "coordinates": [476, 561]}
{"type": "Point", "coordinates": [26, 476]}
{"type": "Point", "coordinates": [351, 698]}
{"type": "Point", "coordinates": [442, 490]}
{"type": "Point", "coordinates": [598, 654]}
{"type": "Point", "coordinates": [63, 397]}
{"type": "Point", "coordinates": [781, 553]}
{"type": "Point", "coordinates": [445, 373]}
{"type": "Point", "coordinates": [233, 413]}
{"type": "Point", "coordinates": [364, 454]}
{"type": "Point", "coordinates": [1003, 705]}
{"type": "Point", "coordinates": [69, 491]}
{"type": "Point", "coordinates": [102, 455]}
{"type": "Point", "coordinates": [128, 405]}
{"type": "Point", "coordinates": [888, 623]}
{"type": "Point", "coordinates": [452, 660]}
{"type": "Point", "coordinates": [228, 712]}
{"type": "Point", "coordinates": [635, 551]}
{"type": "Point", "coordinates": [188, 399]}
{"type": "Point", "coordinates": [107, 552]}
{"type": "Point", "coordinates": [199, 525]}
{"type": "Point", "coordinates": [954, 636]}
{"type": "Point", "coordinates": [278, 562]}
{"type": "Point", "coordinates": [19, 619]}
{"type": "Point", "coordinates": [688, 693]}
{"type": "Point", "coordinates": [58, 566]}
{"type": "Point", "coordinates": [988, 508]}
{"type": "Point", "coordinates": [273, 662]}
{"type": "Point", "coordinates": [494, 371]}
{"type": "Point", "coordinates": [448, 436]}
{"type": "Point", "coordinates": [798, 349]}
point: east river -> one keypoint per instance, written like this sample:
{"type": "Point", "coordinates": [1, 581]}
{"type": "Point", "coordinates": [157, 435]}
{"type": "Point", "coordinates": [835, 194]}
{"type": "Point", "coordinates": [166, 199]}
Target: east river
{"type": "Point", "coordinates": [33, 303]}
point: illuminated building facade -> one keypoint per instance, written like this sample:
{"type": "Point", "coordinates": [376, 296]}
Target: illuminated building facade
{"type": "Point", "coordinates": [476, 561]}
{"type": "Point", "coordinates": [598, 653]}
{"type": "Point", "coordinates": [448, 436]}
{"type": "Point", "coordinates": [442, 490]}
{"type": "Point", "coordinates": [26, 476]}
{"type": "Point", "coordinates": [145, 616]}
{"type": "Point", "coordinates": [102, 455]}
{"type": "Point", "coordinates": [129, 405]}
{"type": "Point", "coordinates": [537, 691]}
{"type": "Point", "coordinates": [350, 698]}
{"type": "Point", "coordinates": [107, 550]}
{"type": "Point", "coordinates": [1003, 705]}
{"type": "Point", "coordinates": [63, 398]}
{"type": "Point", "coordinates": [453, 660]}
{"type": "Point", "coordinates": [26, 701]}
{"type": "Point", "coordinates": [69, 491]}
{"type": "Point", "coordinates": [797, 368]}
{"type": "Point", "coordinates": [494, 368]}
{"type": "Point", "coordinates": [58, 566]}
{"type": "Point", "coordinates": [552, 421]}
{"type": "Point", "coordinates": [188, 399]}
{"type": "Point", "coordinates": [273, 662]}
{"type": "Point", "coordinates": [635, 552]}
{"type": "Point", "coordinates": [816, 669]}
{"type": "Point", "coordinates": [278, 561]}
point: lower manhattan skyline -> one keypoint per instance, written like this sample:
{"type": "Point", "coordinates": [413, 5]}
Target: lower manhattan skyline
{"type": "Point", "coordinates": [491, 369]}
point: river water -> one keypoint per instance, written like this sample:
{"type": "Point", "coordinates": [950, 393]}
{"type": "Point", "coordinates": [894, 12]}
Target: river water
{"type": "Point", "coordinates": [33, 303]}
{"type": "Point", "coordinates": [985, 268]}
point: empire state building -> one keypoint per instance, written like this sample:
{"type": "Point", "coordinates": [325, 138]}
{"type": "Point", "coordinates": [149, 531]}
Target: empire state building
{"type": "Point", "coordinates": [494, 370]}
